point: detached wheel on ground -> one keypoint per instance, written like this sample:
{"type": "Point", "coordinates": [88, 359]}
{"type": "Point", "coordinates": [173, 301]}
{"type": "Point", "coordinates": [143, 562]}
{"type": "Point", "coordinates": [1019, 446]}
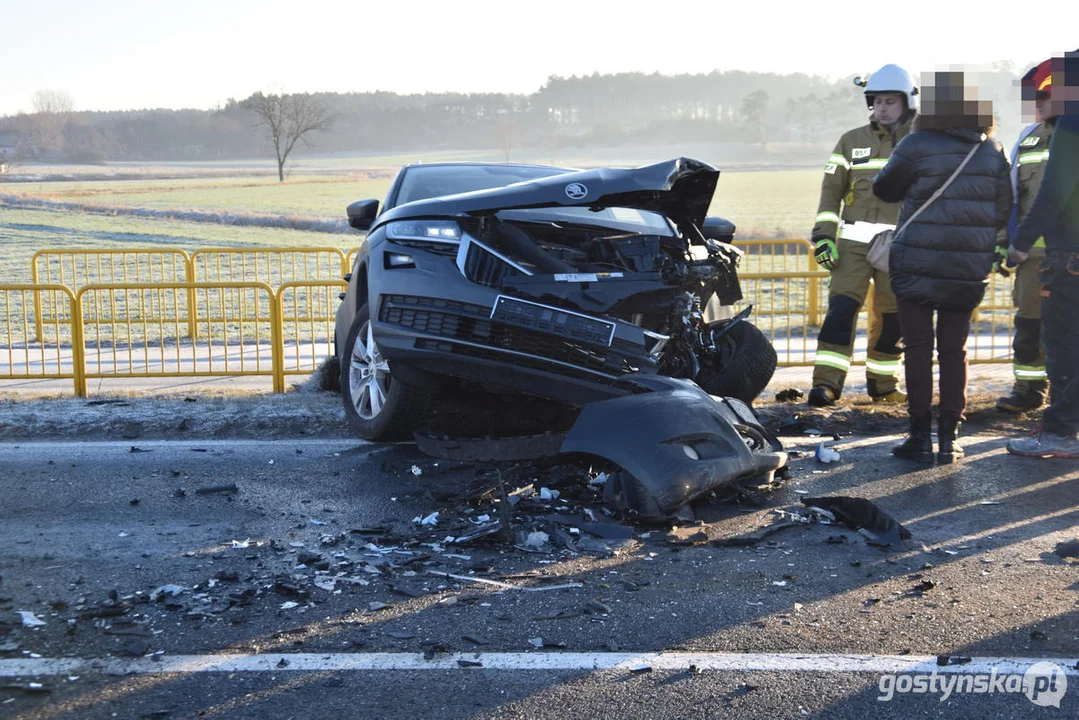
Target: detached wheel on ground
{"type": "Point", "coordinates": [748, 363]}
{"type": "Point", "coordinates": [378, 406]}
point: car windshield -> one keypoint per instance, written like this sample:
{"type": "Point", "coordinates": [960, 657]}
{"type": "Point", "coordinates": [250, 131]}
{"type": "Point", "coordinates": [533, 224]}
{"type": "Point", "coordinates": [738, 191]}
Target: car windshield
{"type": "Point", "coordinates": [421, 183]}
{"type": "Point", "coordinates": [627, 219]}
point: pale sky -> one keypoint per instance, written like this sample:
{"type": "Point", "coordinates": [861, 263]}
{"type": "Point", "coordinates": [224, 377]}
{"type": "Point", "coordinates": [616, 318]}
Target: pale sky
{"type": "Point", "coordinates": [132, 54]}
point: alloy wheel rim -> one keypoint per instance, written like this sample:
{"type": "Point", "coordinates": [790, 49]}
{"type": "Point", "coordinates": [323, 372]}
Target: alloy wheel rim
{"type": "Point", "coordinates": [368, 375]}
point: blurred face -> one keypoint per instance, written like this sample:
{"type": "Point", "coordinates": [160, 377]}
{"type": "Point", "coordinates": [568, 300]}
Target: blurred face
{"type": "Point", "coordinates": [1063, 94]}
{"type": "Point", "coordinates": [1042, 108]}
{"type": "Point", "coordinates": [888, 107]}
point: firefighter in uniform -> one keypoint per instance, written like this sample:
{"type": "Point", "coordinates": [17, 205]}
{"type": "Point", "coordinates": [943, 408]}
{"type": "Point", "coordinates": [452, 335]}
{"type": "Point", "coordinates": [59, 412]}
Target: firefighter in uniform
{"type": "Point", "coordinates": [848, 217]}
{"type": "Point", "coordinates": [1028, 165]}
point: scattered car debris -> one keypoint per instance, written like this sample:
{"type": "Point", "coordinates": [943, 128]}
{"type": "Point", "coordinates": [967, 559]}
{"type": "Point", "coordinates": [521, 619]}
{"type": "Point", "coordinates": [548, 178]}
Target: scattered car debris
{"type": "Point", "coordinates": [508, 586]}
{"type": "Point", "coordinates": [921, 588]}
{"type": "Point", "coordinates": [862, 515]}
{"type": "Point", "coordinates": [945, 660]}
{"type": "Point", "coordinates": [164, 591]}
{"type": "Point", "coordinates": [431, 519]}
{"type": "Point", "coordinates": [29, 619]}
{"type": "Point", "coordinates": [32, 688]}
{"type": "Point", "coordinates": [1067, 549]}
{"type": "Point", "coordinates": [826, 454]}
{"type": "Point", "coordinates": [214, 489]}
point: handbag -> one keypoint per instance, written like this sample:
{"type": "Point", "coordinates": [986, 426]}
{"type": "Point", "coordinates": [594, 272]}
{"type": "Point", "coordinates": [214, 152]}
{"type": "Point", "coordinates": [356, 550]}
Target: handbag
{"type": "Point", "coordinates": [881, 245]}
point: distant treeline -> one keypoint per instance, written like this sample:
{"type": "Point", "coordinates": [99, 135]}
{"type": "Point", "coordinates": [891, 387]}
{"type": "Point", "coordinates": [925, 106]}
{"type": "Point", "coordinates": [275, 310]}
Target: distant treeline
{"type": "Point", "coordinates": [595, 110]}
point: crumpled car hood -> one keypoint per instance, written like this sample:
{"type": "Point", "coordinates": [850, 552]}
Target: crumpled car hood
{"type": "Point", "coordinates": [681, 189]}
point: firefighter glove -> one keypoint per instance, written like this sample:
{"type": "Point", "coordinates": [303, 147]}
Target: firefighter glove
{"type": "Point", "coordinates": [1000, 261]}
{"type": "Point", "coordinates": [825, 252]}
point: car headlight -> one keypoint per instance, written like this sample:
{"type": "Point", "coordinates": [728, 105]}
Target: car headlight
{"type": "Point", "coordinates": [435, 231]}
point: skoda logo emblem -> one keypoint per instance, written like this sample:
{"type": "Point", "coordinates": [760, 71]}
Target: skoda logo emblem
{"type": "Point", "coordinates": [576, 191]}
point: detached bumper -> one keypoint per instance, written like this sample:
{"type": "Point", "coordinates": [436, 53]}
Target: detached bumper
{"type": "Point", "coordinates": [673, 444]}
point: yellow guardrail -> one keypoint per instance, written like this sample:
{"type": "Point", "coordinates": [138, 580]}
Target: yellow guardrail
{"type": "Point", "coordinates": [350, 258]}
{"type": "Point", "coordinates": [137, 330]}
{"type": "Point", "coordinates": [76, 268]}
{"type": "Point", "coordinates": [784, 295]}
{"type": "Point", "coordinates": [308, 311]}
{"type": "Point", "coordinates": [21, 352]}
{"type": "Point", "coordinates": [797, 256]}
{"type": "Point", "coordinates": [278, 317]}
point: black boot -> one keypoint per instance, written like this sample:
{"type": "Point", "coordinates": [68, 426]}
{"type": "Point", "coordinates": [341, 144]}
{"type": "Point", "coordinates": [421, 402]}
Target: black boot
{"type": "Point", "coordinates": [919, 444]}
{"type": "Point", "coordinates": [948, 450]}
{"type": "Point", "coordinates": [1026, 395]}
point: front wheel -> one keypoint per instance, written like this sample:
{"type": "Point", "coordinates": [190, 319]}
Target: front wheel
{"type": "Point", "coordinates": [378, 406]}
{"type": "Point", "coordinates": [743, 365]}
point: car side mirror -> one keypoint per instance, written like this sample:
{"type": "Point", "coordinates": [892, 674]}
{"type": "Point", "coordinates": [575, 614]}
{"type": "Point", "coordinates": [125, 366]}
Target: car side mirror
{"type": "Point", "coordinates": [362, 213]}
{"type": "Point", "coordinates": [719, 229]}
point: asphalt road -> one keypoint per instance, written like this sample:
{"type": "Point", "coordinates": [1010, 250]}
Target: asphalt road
{"type": "Point", "coordinates": [311, 591]}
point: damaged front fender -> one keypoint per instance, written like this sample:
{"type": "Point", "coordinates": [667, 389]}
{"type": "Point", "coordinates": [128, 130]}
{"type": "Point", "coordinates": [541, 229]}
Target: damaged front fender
{"type": "Point", "coordinates": [674, 444]}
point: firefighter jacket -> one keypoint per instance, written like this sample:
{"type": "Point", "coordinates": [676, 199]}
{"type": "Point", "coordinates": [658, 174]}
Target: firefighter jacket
{"type": "Point", "coordinates": [1029, 158]}
{"type": "Point", "coordinates": [847, 189]}
{"type": "Point", "coordinates": [1054, 214]}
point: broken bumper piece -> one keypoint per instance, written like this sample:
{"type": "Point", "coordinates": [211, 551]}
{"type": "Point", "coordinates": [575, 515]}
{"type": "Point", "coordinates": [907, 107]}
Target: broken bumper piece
{"type": "Point", "coordinates": [672, 440]}
{"type": "Point", "coordinates": [674, 444]}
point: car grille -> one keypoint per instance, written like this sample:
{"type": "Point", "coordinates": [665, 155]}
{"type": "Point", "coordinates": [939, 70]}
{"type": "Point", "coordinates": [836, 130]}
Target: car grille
{"type": "Point", "coordinates": [488, 354]}
{"type": "Point", "coordinates": [465, 321]}
{"type": "Point", "coordinates": [483, 267]}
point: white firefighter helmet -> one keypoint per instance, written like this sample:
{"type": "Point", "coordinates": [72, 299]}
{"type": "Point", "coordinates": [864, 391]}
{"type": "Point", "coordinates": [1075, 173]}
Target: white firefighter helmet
{"type": "Point", "coordinates": [890, 78]}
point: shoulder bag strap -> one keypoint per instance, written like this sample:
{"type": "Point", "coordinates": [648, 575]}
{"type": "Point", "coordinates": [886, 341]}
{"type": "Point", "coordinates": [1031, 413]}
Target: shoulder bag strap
{"type": "Point", "coordinates": [942, 188]}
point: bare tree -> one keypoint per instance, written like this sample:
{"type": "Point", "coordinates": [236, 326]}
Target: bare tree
{"type": "Point", "coordinates": [288, 118]}
{"type": "Point", "coordinates": [52, 109]}
{"type": "Point", "coordinates": [55, 102]}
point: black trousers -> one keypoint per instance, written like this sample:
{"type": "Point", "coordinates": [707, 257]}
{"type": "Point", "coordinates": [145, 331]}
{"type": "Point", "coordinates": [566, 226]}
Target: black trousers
{"type": "Point", "coordinates": [952, 328]}
{"type": "Point", "coordinates": [1059, 279]}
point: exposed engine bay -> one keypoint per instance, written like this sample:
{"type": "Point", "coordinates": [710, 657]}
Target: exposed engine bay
{"type": "Point", "coordinates": [651, 281]}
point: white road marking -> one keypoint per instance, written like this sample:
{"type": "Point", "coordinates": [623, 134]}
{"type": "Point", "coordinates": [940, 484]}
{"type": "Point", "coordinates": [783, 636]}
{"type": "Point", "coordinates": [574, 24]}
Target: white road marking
{"type": "Point", "coordinates": [278, 662]}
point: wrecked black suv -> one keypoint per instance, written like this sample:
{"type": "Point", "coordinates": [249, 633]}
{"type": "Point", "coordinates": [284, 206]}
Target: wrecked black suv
{"type": "Point", "coordinates": [607, 291]}
{"type": "Point", "coordinates": [564, 284]}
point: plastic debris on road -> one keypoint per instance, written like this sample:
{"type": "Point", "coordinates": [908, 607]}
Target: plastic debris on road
{"type": "Point", "coordinates": [431, 519]}
{"type": "Point", "coordinates": [29, 619]}
{"type": "Point", "coordinates": [165, 590]}
{"type": "Point", "coordinates": [826, 455]}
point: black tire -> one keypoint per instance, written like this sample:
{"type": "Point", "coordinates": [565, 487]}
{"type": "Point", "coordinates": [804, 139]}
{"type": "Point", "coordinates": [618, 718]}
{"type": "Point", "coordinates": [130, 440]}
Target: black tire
{"type": "Point", "coordinates": [403, 408]}
{"type": "Point", "coordinates": [749, 361]}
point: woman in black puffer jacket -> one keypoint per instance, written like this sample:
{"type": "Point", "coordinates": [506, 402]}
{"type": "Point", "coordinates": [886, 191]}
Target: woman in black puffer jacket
{"type": "Point", "coordinates": [942, 260]}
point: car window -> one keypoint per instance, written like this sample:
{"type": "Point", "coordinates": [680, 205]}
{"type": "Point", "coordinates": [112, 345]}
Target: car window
{"type": "Point", "coordinates": [420, 183]}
